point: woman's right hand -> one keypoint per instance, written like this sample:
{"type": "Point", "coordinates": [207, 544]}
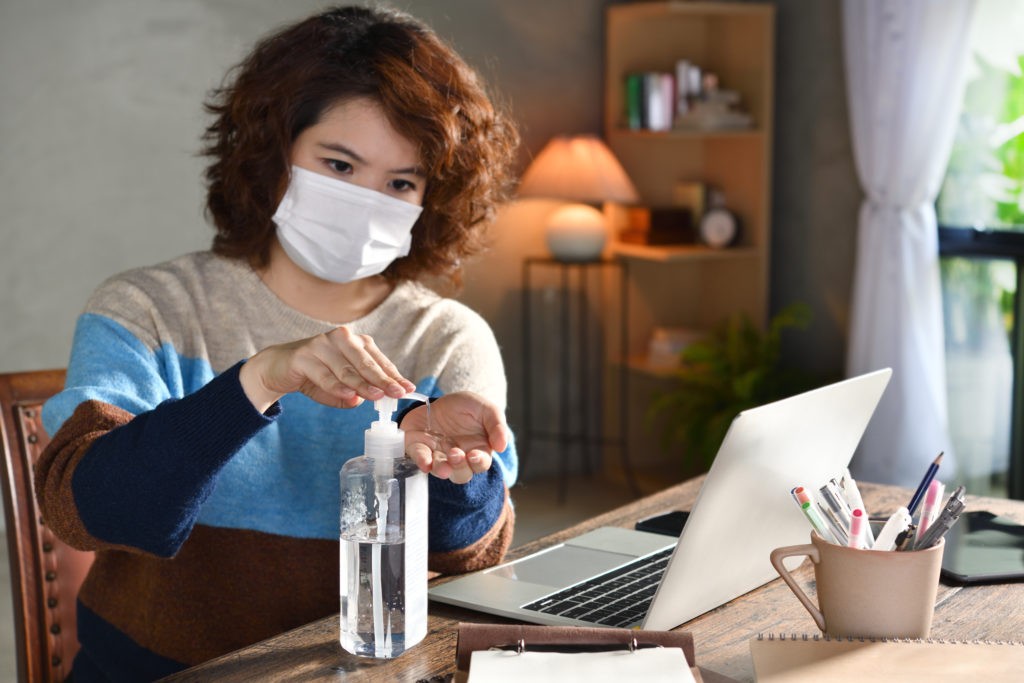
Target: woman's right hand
{"type": "Point", "coordinates": [338, 368]}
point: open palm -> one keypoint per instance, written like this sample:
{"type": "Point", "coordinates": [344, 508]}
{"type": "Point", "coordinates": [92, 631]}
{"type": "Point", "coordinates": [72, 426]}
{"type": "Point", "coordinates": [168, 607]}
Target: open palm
{"type": "Point", "coordinates": [464, 430]}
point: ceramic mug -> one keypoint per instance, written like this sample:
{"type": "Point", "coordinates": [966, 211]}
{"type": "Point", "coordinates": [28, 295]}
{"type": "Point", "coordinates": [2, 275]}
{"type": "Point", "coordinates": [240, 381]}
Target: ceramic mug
{"type": "Point", "coordinates": [872, 593]}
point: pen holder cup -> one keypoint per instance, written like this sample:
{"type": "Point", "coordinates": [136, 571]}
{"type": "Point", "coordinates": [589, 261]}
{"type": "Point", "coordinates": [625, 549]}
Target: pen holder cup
{"type": "Point", "coordinates": [871, 593]}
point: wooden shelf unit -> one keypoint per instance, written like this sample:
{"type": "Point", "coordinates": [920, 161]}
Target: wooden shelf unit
{"type": "Point", "coordinates": [692, 285]}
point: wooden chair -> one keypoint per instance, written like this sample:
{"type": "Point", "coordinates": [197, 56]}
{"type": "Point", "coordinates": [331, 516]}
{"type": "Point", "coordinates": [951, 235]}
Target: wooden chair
{"type": "Point", "coordinates": [45, 573]}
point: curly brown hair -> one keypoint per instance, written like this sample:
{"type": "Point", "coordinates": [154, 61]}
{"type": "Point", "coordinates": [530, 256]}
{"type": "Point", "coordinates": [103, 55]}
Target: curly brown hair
{"type": "Point", "coordinates": [429, 94]}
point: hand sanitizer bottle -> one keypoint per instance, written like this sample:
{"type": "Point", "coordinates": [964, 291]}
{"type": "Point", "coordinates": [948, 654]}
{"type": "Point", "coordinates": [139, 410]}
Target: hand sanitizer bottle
{"type": "Point", "coordinates": [383, 571]}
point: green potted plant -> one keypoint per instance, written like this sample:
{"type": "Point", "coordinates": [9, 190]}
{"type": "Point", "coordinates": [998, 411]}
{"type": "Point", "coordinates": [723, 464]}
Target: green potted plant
{"type": "Point", "coordinates": [737, 366]}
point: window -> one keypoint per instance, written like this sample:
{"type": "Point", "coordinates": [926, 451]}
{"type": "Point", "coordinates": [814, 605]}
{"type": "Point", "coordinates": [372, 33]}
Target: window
{"type": "Point", "coordinates": [981, 236]}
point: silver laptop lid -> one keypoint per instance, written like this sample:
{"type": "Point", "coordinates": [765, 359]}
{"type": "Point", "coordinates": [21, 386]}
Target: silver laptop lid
{"type": "Point", "coordinates": [744, 509]}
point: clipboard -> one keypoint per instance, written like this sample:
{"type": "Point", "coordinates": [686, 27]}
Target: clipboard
{"type": "Point", "coordinates": [474, 637]}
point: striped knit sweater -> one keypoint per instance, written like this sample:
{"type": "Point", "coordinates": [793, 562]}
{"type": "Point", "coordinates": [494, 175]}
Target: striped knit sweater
{"type": "Point", "coordinates": [217, 526]}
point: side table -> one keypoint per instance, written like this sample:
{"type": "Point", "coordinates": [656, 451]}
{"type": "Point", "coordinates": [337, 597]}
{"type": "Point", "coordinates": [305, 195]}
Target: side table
{"type": "Point", "coordinates": [580, 306]}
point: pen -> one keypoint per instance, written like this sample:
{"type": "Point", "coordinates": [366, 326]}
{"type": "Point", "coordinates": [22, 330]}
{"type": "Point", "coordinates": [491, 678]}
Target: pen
{"type": "Point", "coordinates": [905, 540]}
{"type": "Point", "coordinates": [840, 531]}
{"type": "Point", "coordinates": [816, 521]}
{"type": "Point", "coordinates": [836, 503]}
{"type": "Point", "coordinates": [947, 518]}
{"type": "Point", "coordinates": [851, 494]}
{"type": "Point", "coordinates": [850, 491]}
{"type": "Point", "coordinates": [923, 486]}
{"type": "Point", "coordinates": [869, 536]}
{"type": "Point", "coordinates": [932, 504]}
{"type": "Point", "coordinates": [897, 524]}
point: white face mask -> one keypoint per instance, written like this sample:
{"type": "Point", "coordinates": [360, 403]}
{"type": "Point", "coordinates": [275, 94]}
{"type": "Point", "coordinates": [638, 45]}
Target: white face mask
{"type": "Point", "coordinates": [342, 232]}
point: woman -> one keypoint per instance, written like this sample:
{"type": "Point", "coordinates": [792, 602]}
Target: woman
{"type": "Point", "coordinates": [211, 400]}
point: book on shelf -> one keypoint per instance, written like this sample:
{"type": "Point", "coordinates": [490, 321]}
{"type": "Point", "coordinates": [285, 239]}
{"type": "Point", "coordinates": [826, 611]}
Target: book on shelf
{"type": "Point", "coordinates": [685, 99]}
{"type": "Point", "coordinates": [650, 100]}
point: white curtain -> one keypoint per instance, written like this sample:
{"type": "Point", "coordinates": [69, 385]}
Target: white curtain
{"type": "Point", "coordinates": [905, 66]}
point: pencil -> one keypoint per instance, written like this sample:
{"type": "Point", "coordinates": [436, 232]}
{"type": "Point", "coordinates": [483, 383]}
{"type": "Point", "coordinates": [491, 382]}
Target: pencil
{"type": "Point", "coordinates": [928, 476]}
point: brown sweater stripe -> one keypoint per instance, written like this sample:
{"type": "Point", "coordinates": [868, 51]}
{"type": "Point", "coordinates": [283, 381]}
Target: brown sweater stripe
{"type": "Point", "coordinates": [56, 466]}
{"type": "Point", "coordinates": [225, 589]}
{"type": "Point", "coordinates": [486, 552]}
{"type": "Point", "coordinates": [228, 588]}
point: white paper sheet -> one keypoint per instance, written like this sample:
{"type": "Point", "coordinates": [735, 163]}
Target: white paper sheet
{"type": "Point", "coordinates": [650, 665]}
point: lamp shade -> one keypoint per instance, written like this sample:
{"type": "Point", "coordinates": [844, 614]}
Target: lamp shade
{"type": "Point", "coordinates": [582, 170]}
{"type": "Point", "coordinates": [579, 169]}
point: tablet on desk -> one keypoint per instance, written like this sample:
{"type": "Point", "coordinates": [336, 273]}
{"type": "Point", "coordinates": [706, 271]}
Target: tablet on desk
{"type": "Point", "coordinates": [984, 548]}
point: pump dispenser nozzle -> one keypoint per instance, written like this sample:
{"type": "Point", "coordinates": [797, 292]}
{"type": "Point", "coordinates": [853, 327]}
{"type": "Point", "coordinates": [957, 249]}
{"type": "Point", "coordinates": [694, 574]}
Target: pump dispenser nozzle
{"type": "Point", "coordinates": [385, 408]}
{"type": "Point", "coordinates": [384, 439]}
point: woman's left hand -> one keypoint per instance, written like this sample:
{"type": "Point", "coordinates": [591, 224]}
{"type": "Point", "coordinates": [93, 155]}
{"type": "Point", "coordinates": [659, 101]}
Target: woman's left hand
{"type": "Point", "coordinates": [464, 429]}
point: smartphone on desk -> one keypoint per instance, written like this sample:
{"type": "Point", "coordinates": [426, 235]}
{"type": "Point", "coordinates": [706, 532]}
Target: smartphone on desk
{"type": "Point", "coordinates": [669, 523]}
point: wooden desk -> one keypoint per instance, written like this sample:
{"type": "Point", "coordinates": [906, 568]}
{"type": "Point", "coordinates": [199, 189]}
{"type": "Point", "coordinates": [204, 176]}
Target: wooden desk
{"type": "Point", "coordinates": [312, 652]}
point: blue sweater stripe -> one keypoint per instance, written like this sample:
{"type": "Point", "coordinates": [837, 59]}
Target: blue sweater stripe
{"type": "Point", "coordinates": [193, 456]}
{"type": "Point", "coordinates": [136, 488]}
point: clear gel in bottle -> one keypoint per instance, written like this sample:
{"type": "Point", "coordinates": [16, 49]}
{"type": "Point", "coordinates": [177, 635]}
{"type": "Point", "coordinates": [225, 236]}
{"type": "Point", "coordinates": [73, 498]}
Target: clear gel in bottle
{"type": "Point", "coordinates": [383, 570]}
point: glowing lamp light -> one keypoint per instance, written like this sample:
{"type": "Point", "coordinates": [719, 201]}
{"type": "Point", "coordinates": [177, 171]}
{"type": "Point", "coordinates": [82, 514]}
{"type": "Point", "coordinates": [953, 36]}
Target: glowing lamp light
{"type": "Point", "coordinates": [583, 171]}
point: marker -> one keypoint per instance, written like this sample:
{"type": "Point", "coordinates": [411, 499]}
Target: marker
{"type": "Point", "coordinates": [923, 486]}
{"type": "Point", "coordinates": [897, 524]}
{"type": "Point", "coordinates": [857, 523]}
{"type": "Point", "coordinates": [932, 504]}
{"type": "Point", "coordinates": [817, 522]}
{"type": "Point", "coordinates": [801, 495]}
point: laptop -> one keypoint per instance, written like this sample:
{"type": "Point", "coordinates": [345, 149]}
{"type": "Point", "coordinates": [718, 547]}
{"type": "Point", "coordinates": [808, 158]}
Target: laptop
{"type": "Point", "coordinates": [628, 578]}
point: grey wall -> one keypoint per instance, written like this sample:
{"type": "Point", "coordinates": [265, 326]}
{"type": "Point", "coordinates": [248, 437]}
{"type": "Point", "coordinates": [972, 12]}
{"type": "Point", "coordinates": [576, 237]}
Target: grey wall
{"type": "Point", "coordinates": [100, 120]}
{"type": "Point", "coordinates": [99, 128]}
{"type": "Point", "coordinates": [101, 117]}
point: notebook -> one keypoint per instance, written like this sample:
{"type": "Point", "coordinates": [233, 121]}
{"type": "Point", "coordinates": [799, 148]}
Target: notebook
{"type": "Point", "coordinates": [743, 511]}
{"type": "Point", "coordinates": [517, 652]}
{"type": "Point", "coordinates": [812, 659]}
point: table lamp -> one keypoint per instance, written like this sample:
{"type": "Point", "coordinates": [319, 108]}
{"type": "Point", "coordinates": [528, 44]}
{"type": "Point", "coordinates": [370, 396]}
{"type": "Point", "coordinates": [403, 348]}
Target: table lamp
{"type": "Point", "coordinates": [581, 170]}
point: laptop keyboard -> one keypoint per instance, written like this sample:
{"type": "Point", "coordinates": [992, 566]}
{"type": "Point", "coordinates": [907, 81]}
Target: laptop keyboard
{"type": "Point", "coordinates": [618, 598]}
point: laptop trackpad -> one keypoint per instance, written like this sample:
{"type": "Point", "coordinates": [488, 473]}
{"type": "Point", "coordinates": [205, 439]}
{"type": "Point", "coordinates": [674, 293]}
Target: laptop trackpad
{"type": "Point", "coordinates": [561, 566]}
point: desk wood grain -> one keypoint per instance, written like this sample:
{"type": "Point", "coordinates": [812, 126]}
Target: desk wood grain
{"type": "Point", "coordinates": [312, 652]}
